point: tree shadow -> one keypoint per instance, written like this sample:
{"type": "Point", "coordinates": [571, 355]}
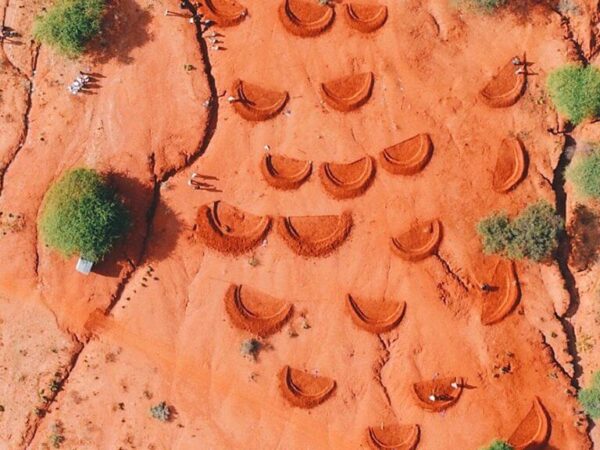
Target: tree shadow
{"type": "Point", "coordinates": [524, 9]}
{"type": "Point", "coordinates": [125, 28]}
{"type": "Point", "coordinates": [584, 237]}
{"type": "Point", "coordinates": [154, 229]}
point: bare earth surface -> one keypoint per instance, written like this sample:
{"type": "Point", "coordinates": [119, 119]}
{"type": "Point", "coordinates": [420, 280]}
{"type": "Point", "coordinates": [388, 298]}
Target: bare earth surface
{"type": "Point", "coordinates": [150, 323]}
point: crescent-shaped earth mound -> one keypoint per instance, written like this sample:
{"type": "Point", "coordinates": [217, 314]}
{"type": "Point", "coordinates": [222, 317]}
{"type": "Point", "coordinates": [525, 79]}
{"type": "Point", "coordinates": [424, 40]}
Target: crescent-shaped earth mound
{"type": "Point", "coordinates": [511, 165]}
{"type": "Point", "coordinates": [224, 13]}
{"type": "Point", "coordinates": [534, 430]}
{"type": "Point", "coordinates": [385, 317]}
{"type": "Point", "coordinates": [348, 93]}
{"type": "Point", "coordinates": [285, 173]}
{"type": "Point", "coordinates": [442, 389]}
{"type": "Point", "coordinates": [304, 390]}
{"type": "Point", "coordinates": [305, 18]}
{"type": "Point", "coordinates": [255, 103]}
{"type": "Point", "coordinates": [393, 437]}
{"type": "Point", "coordinates": [504, 295]}
{"type": "Point", "coordinates": [505, 88]}
{"type": "Point", "coordinates": [255, 311]}
{"type": "Point", "coordinates": [365, 18]}
{"type": "Point", "coordinates": [408, 157]}
{"type": "Point", "coordinates": [347, 180]}
{"type": "Point", "coordinates": [419, 242]}
{"type": "Point", "coordinates": [315, 235]}
{"type": "Point", "coordinates": [230, 230]}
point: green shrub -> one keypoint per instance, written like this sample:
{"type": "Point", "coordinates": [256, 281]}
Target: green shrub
{"type": "Point", "coordinates": [82, 214]}
{"type": "Point", "coordinates": [575, 91]}
{"type": "Point", "coordinates": [487, 6]}
{"type": "Point", "coordinates": [161, 412]}
{"type": "Point", "coordinates": [69, 25]}
{"type": "Point", "coordinates": [590, 397]}
{"type": "Point", "coordinates": [533, 234]}
{"type": "Point", "coordinates": [584, 173]}
{"type": "Point", "coordinates": [499, 445]}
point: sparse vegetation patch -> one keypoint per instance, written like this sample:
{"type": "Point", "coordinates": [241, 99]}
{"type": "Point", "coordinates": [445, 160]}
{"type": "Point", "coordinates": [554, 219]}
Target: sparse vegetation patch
{"type": "Point", "coordinates": [590, 397]}
{"type": "Point", "coordinates": [533, 234]}
{"type": "Point", "coordinates": [499, 445]}
{"type": "Point", "coordinates": [584, 173]}
{"type": "Point", "coordinates": [575, 91]}
{"type": "Point", "coordinates": [487, 6]}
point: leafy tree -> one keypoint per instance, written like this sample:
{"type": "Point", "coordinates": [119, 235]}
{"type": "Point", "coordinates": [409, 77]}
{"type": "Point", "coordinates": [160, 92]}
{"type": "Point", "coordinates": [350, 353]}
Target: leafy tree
{"type": "Point", "coordinates": [575, 91]}
{"type": "Point", "coordinates": [533, 234]}
{"type": "Point", "coordinates": [584, 173]}
{"type": "Point", "coordinates": [82, 214]}
{"type": "Point", "coordinates": [590, 397]}
{"type": "Point", "coordinates": [69, 25]}
{"type": "Point", "coordinates": [499, 445]}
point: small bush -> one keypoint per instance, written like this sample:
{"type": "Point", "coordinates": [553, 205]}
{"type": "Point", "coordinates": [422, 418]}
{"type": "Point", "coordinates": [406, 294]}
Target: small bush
{"type": "Point", "coordinates": [69, 25]}
{"type": "Point", "coordinates": [499, 445]}
{"type": "Point", "coordinates": [590, 397]}
{"type": "Point", "coordinates": [575, 91]}
{"type": "Point", "coordinates": [82, 214]}
{"type": "Point", "coordinates": [533, 234]}
{"type": "Point", "coordinates": [251, 348]}
{"type": "Point", "coordinates": [161, 412]}
{"type": "Point", "coordinates": [584, 173]}
{"type": "Point", "coordinates": [487, 6]}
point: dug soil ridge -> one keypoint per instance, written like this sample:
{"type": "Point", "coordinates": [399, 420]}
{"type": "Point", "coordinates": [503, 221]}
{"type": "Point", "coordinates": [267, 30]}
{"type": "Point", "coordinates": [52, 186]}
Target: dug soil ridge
{"type": "Point", "coordinates": [255, 103]}
{"type": "Point", "coordinates": [506, 87]}
{"type": "Point", "coordinates": [304, 390]}
{"type": "Point", "coordinates": [365, 18]}
{"type": "Point", "coordinates": [224, 13]}
{"type": "Point", "coordinates": [504, 293]}
{"type": "Point", "coordinates": [534, 430]}
{"type": "Point", "coordinates": [230, 230]}
{"type": "Point", "coordinates": [285, 173]}
{"type": "Point", "coordinates": [315, 235]}
{"type": "Point", "coordinates": [347, 180]}
{"type": "Point", "coordinates": [306, 18]}
{"type": "Point", "coordinates": [348, 93]}
{"type": "Point", "coordinates": [378, 320]}
{"type": "Point", "coordinates": [393, 437]}
{"type": "Point", "coordinates": [438, 394]}
{"type": "Point", "coordinates": [408, 157]}
{"type": "Point", "coordinates": [255, 311]}
{"type": "Point", "coordinates": [419, 242]}
{"type": "Point", "coordinates": [511, 165]}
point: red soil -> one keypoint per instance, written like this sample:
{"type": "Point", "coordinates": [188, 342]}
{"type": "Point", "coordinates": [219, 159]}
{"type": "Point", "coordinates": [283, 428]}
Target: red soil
{"type": "Point", "coordinates": [315, 236]}
{"type": "Point", "coordinates": [168, 336]}
{"type": "Point", "coordinates": [348, 93]}
{"type": "Point", "coordinates": [377, 319]}
{"type": "Point", "coordinates": [230, 230]}
{"type": "Point", "coordinates": [511, 165]}
{"type": "Point", "coordinates": [305, 18]}
{"type": "Point", "coordinates": [441, 388]}
{"type": "Point", "coordinates": [505, 294]}
{"type": "Point", "coordinates": [304, 390]}
{"type": "Point", "coordinates": [408, 157]}
{"type": "Point", "coordinates": [419, 242]}
{"type": "Point", "coordinates": [256, 103]}
{"type": "Point", "coordinates": [505, 88]}
{"type": "Point", "coordinates": [393, 437]}
{"type": "Point", "coordinates": [534, 430]}
{"type": "Point", "coordinates": [255, 311]}
{"type": "Point", "coordinates": [347, 180]}
{"type": "Point", "coordinates": [365, 18]}
{"type": "Point", "coordinates": [285, 173]}
{"type": "Point", "coordinates": [224, 13]}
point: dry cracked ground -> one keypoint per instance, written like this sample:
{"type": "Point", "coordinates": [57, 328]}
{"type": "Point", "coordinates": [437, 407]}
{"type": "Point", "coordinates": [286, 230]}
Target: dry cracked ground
{"type": "Point", "coordinates": [160, 333]}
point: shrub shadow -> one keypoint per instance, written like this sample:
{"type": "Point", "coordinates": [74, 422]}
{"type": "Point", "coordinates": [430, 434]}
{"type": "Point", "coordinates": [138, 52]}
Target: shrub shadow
{"type": "Point", "coordinates": [124, 29]}
{"type": "Point", "coordinates": [584, 237]}
{"type": "Point", "coordinates": [154, 230]}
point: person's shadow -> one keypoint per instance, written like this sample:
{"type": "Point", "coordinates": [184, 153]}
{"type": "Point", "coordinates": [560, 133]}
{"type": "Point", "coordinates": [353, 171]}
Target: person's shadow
{"type": "Point", "coordinates": [153, 231]}
{"type": "Point", "coordinates": [124, 28]}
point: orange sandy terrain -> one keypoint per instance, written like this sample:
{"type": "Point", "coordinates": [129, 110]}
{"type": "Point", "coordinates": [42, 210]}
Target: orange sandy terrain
{"type": "Point", "coordinates": [359, 329]}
